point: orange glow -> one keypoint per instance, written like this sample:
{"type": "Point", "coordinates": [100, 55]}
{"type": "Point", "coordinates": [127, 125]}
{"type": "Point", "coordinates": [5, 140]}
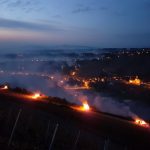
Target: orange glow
{"type": "Point", "coordinates": [5, 87]}
{"type": "Point", "coordinates": [76, 88]}
{"type": "Point", "coordinates": [136, 81]}
{"type": "Point", "coordinates": [86, 84]}
{"type": "Point", "coordinates": [141, 122]}
{"type": "Point", "coordinates": [73, 73]}
{"type": "Point", "coordinates": [86, 106]}
{"type": "Point", "coordinates": [36, 95]}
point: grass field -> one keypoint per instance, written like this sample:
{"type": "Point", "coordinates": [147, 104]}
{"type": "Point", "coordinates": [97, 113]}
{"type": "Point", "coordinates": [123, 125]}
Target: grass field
{"type": "Point", "coordinates": [47, 125]}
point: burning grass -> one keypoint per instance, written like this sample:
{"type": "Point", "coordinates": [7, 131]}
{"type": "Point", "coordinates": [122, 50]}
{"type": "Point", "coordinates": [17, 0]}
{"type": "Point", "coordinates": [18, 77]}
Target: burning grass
{"type": "Point", "coordinates": [85, 107]}
{"type": "Point", "coordinates": [142, 123]}
{"type": "Point", "coordinates": [36, 95]}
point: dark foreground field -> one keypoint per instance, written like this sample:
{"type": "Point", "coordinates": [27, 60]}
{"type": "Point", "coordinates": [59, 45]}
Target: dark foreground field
{"type": "Point", "coordinates": [47, 126]}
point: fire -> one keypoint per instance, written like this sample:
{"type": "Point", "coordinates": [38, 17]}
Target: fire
{"type": "Point", "coordinates": [36, 95]}
{"type": "Point", "coordinates": [5, 87]}
{"type": "Point", "coordinates": [136, 81]}
{"type": "Point", "coordinates": [86, 84]}
{"type": "Point", "coordinates": [141, 122]}
{"type": "Point", "coordinates": [86, 106]}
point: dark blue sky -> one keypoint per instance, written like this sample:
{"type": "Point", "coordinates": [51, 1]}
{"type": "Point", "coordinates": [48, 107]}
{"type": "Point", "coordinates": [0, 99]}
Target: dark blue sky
{"type": "Point", "coordinates": [97, 23]}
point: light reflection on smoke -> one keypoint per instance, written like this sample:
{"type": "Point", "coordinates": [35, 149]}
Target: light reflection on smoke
{"type": "Point", "coordinates": [32, 79]}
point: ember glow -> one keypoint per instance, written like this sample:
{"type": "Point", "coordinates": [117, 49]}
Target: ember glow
{"type": "Point", "coordinates": [136, 81]}
{"type": "Point", "coordinates": [36, 95]}
{"type": "Point", "coordinates": [86, 84]}
{"type": "Point", "coordinates": [86, 106]}
{"type": "Point", "coordinates": [141, 122]}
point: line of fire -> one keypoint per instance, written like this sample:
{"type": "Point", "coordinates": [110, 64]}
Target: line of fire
{"type": "Point", "coordinates": [82, 109]}
{"type": "Point", "coordinates": [85, 107]}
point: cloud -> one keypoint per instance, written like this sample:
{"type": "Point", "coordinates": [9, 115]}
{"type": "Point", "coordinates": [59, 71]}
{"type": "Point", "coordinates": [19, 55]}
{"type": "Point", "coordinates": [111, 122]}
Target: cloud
{"type": "Point", "coordinates": [14, 24]}
{"type": "Point", "coordinates": [81, 9]}
{"type": "Point", "coordinates": [25, 5]}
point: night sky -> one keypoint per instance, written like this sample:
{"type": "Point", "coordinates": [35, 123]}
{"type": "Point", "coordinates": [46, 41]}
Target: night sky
{"type": "Point", "coordinates": [95, 23]}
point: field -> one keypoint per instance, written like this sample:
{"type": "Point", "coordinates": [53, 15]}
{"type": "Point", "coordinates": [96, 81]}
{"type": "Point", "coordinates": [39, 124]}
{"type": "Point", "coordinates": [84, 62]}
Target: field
{"type": "Point", "coordinates": [47, 125]}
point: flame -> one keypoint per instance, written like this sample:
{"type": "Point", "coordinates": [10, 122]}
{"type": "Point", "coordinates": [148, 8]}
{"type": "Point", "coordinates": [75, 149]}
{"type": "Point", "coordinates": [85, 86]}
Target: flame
{"type": "Point", "coordinates": [136, 81]}
{"type": "Point", "coordinates": [86, 84]}
{"type": "Point", "coordinates": [36, 95]}
{"type": "Point", "coordinates": [5, 87]}
{"type": "Point", "coordinates": [85, 106]}
{"type": "Point", "coordinates": [141, 122]}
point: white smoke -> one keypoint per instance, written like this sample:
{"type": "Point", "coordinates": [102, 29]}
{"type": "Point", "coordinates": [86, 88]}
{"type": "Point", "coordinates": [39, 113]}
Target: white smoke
{"type": "Point", "coordinates": [101, 103]}
{"type": "Point", "coordinates": [56, 88]}
{"type": "Point", "coordinates": [112, 106]}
